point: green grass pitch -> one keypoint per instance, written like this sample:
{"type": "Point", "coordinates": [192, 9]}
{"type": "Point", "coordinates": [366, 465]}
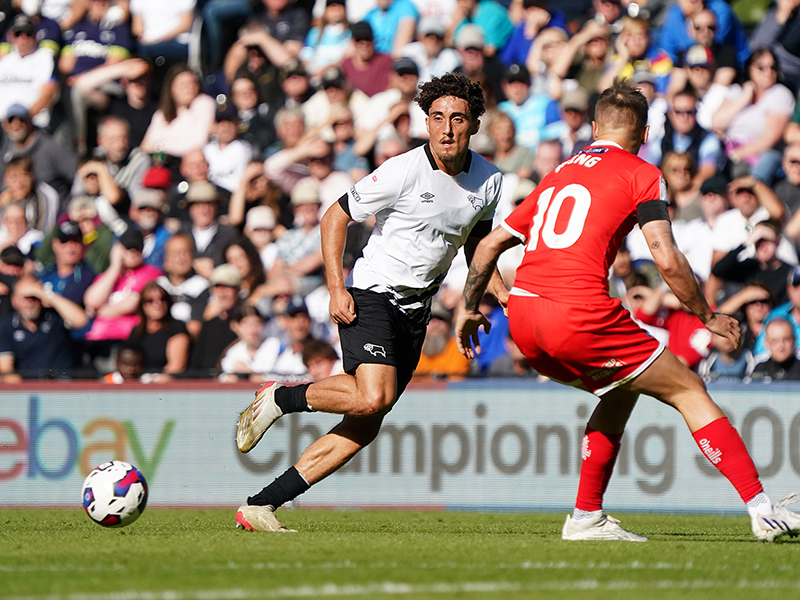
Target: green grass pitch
{"type": "Point", "coordinates": [197, 554]}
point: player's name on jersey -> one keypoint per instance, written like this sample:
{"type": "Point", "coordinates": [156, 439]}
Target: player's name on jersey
{"type": "Point", "coordinates": [586, 158]}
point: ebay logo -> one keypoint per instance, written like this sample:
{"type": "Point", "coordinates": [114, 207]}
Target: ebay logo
{"type": "Point", "coordinates": [97, 441]}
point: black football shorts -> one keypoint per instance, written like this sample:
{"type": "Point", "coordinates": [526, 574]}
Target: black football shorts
{"type": "Point", "coordinates": [381, 334]}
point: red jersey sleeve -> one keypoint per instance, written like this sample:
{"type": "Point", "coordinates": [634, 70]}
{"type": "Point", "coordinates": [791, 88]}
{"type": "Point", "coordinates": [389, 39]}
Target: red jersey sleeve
{"type": "Point", "coordinates": [648, 183]}
{"type": "Point", "coordinates": [518, 223]}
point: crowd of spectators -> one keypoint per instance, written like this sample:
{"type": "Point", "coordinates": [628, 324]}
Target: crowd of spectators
{"type": "Point", "coordinates": [165, 166]}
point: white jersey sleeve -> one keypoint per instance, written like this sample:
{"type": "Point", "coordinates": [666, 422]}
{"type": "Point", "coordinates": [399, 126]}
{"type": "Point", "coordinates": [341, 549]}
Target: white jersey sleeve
{"type": "Point", "coordinates": [379, 190]}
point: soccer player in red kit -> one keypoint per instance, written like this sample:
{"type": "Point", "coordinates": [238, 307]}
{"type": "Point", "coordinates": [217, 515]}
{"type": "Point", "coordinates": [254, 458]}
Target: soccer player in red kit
{"type": "Point", "coordinates": [562, 317]}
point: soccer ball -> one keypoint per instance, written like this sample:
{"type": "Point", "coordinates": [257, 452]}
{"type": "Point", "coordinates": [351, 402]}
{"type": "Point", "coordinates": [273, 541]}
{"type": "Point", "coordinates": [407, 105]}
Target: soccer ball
{"type": "Point", "coordinates": [114, 494]}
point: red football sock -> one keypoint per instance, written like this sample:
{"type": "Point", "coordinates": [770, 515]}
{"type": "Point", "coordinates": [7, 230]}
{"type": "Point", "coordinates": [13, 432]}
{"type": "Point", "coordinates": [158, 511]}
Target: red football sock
{"type": "Point", "coordinates": [599, 452]}
{"type": "Point", "coordinates": [723, 447]}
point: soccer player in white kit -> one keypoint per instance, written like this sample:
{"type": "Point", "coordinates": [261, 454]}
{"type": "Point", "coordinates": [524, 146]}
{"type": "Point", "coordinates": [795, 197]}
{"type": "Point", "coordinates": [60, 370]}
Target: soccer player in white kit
{"type": "Point", "coordinates": [427, 203]}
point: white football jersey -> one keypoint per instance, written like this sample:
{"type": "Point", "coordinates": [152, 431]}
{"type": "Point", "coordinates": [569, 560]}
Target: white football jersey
{"type": "Point", "coordinates": [423, 216]}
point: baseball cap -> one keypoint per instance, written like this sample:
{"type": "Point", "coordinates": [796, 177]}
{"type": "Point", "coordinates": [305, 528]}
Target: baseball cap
{"type": "Point", "coordinates": [226, 275]}
{"type": "Point", "coordinates": [132, 239]}
{"type": "Point", "coordinates": [296, 306]}
{"type": "Point", "coordinates": [68, 231]}
{"type": "Point", "coordinates": [577, 99]}
{"type": "Point", "coordinates": [517, 72]}
{"type": "Point", "coordinates": [362, 31]}
{"type": "Point", "coordinates": [260, 217]}
{"type": "Point", "coordinates": [405, 66]}
{"type": "Point", "coordinates": [12, 256]}
{"type": "Point", "coordinates": [717, 184]}
{"type": "Point", "coordinates": [17, 111]}
{"type": "Point", "coordinates": [305, 191]}
{"type": "Point", "coordinates": [202, 191]}
{"type": "Point", "coordinates": [643, 76]}
{"type": "Point", "coordinates": [22, 23]}
{"type": "Point", "coordinates": [699, 56]}
{"type": "Point", "coordinates": [332, 77]}
{"type": "Point", "coordinates": [157, 177]}
{"type": "Point", "coordinates": [470, 36]}
{"type": "Point", "coordinates": [148, 197]}
{"type": "Point", "coordinates": [430, 25]}
{"type": "Point", "coordinates": [226, 111]}
{"type": "Point", "coordinates": [291, 68]}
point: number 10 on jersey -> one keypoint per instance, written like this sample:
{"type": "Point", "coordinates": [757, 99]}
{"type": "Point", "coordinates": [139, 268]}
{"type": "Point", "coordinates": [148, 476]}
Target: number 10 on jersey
{"type": "Point", "coordinates": [548, 209]}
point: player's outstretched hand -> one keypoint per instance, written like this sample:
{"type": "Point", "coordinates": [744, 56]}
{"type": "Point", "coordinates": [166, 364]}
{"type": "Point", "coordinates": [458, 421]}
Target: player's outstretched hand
{"type": "Point", "coordinates": [467, 325]}
{"type": "Point", "coordinates": [342, 307]}
{"type": "Point", "coordinates": [726, 326]}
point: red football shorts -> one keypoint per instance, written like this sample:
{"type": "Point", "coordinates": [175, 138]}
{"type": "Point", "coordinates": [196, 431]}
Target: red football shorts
{"type": "Point", "coordinates": [596, 347]}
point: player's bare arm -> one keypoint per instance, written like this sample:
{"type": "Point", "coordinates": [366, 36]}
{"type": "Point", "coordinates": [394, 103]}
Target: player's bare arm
{"type": "Point", "coordinates": [677, 274]}
{"type": "Point", "coordinates": [482, 270]}
{"type": "Point", "coordinates": [333, 228]}
{"type": "Point", "coordinates": [496, 286]}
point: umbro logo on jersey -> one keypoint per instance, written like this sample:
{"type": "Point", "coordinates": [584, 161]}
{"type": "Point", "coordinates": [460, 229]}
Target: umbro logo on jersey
{"type": "Point", "coordinates": [375, 350]}
{"type": "Point", "coordinates": [476, 202]}
{"type": "Point", "coordinates": [427, 197]}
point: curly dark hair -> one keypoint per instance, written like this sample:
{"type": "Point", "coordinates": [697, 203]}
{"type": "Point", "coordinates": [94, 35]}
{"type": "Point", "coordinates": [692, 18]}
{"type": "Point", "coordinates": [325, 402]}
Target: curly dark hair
{"type": "Point", "coordinates": [452, 84]}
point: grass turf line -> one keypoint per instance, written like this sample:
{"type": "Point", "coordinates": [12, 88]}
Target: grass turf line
{"type": "Point", "coordinates": [198, 555]}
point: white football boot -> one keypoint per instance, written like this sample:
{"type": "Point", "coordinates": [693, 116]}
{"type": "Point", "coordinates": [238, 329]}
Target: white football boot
{"type": "Point", "coordinates": [258, 417]}
{"type": "Point", "coordinates": [600, 528]}
{"type": "Point", "coordinates": [259, 518]}
{"type": "Point", "coordinates": [779, 521]}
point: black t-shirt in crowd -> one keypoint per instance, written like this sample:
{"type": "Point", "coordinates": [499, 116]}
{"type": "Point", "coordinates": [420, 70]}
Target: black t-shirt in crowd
{"type": "Point", "coordinates": [155, 346]}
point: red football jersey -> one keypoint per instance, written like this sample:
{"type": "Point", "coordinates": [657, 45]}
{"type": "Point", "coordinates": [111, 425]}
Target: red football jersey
{"type": "Point", "coordinates": [575, 220]}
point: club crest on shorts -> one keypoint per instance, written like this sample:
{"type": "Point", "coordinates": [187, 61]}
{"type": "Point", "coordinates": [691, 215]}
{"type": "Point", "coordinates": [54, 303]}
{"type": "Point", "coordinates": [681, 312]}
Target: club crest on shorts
{"type": "Point", "coordinates": [375, 350]}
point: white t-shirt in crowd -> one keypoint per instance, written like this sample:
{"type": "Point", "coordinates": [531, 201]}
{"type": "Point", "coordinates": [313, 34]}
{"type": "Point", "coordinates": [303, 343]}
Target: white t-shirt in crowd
{"type": "Point", "coordinates": [748, 124]}
{"type": "Point", "coordinates": [226, 165]}
{"type": "Point", "coordinates": [160, 17]}
{"type": "Point", "coordinates": [732, 228]}
{"type": "Point", "coordinates": [22, 79]}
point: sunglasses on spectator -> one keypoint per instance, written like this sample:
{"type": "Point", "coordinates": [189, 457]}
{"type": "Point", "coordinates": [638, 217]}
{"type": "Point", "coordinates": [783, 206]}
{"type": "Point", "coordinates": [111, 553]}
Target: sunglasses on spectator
{"type": "Point", "coordinates": [685, 112]}
{"type": "Point", "coordinates": [31, 298]}
{"type": "Point", "coordinates": [743, 191]}
{"type": "Point", "coordinates": [795, 280]}
{"type": "Point", "coordinates": [760, 301]}
{"type": "Point", "coordinates": [702, 27]}
{"type": "Point", "coordinates": [17, 34]}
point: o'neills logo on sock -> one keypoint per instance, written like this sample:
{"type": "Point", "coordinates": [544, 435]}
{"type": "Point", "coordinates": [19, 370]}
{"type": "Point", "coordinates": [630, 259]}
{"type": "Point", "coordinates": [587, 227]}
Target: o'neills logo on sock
{"type": "Point", "coordinates": [712, 454]}
{"type": "Point", "coordinates": [585, 452]}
